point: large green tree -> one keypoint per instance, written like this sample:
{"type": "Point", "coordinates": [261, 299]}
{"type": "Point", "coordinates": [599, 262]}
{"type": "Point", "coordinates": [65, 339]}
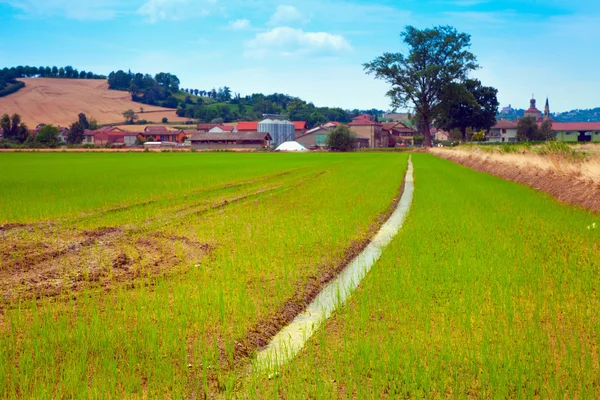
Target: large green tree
{"type": "Point", "coordinates": [13, 128]}
{"type": "Point", "coordinates": [341, 138]}
{"type": "Point", "coordinates": [76, 133]}
{"type": "Point", "coordinates": [48, 136]}
{"type": "Point", "coordinates": [436, 58]}
{"type": "Point", "coordinates": [528, 130]}
{"type": "Point", "coordinates": [467, 105]}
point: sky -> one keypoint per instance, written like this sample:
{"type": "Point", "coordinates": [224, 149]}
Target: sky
{"type": "Point", "coordinates": [313, 49]}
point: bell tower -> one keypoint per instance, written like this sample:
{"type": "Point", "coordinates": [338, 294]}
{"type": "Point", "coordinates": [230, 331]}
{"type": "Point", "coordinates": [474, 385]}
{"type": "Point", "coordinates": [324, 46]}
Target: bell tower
{"type": "Point", "coordinates": [547, 109]}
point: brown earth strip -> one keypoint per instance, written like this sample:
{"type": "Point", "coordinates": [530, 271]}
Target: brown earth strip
{"type": "Point", "coordinates": [259, 335]}
{"type": "Point", "coordinates": [566, 187]}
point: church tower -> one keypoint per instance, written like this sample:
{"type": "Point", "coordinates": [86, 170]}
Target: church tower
{"type": "Point", "coordinates": [547, 110]}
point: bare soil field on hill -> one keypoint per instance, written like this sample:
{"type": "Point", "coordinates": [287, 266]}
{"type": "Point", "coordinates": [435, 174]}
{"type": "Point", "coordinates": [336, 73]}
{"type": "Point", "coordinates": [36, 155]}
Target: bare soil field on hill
{"type": "Point", "coordinates": [58, 101]}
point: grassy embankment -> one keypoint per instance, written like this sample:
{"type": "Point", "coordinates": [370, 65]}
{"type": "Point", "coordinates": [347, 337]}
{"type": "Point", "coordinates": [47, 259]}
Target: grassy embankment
{"type": "Point", "coordinates": [489, 291]}
{"type": "Point", "coordinates": [152, 269]}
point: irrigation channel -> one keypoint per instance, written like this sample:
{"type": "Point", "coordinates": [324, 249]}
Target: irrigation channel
{"type": "Point", "coordinates": [286, 344]}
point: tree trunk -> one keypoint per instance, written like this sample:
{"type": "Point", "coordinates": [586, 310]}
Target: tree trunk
{"type": "Point", "coordinates": [427, 132]}
{"type": "Point", "coordinates": [463, 131]}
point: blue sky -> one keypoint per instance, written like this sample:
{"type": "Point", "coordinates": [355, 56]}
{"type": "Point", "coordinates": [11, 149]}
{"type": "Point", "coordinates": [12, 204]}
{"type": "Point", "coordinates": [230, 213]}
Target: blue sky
{"type": "Point", "coordinates": [312, 48]}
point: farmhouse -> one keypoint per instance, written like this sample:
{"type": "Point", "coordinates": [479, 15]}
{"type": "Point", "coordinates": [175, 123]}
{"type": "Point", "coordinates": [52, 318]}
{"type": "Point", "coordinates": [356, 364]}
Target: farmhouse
{"type": "Point", "coordinates": [503, 131]}
{"type": "Point", "coordinates": [162, 136]}
{"type": "Point", "coordinates": [203, 128]}
{"type": "Point", "coordinates": [231, 140]}
{"type": "Point", "coordinates": [100, 137]}
{"type": "Point", "coordinates": [398, 133]}
{"type": "Point", "coordinates": [315, 138]}
{"type": "Point", "coordinates": [368, 132]}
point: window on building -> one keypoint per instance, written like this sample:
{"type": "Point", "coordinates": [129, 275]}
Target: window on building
{"type": "Point", "coordinates": [512, 139]}
{"type": "Point", "coordinates": [597, 133]}
{"type": "Point", "coordinates": [569, 133]}
{"type": "Point", "coordinates": [321, 140]}
{"type": "Point", "coordinates": [503, 130]}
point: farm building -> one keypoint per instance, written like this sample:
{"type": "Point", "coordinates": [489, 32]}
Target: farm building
{"type": "Point", "coordinates": [577, 131]}
{"type": "Point", "coordinates": [221, 129]}
{"type": "Point", "coordinates": [203, 128]}
{"type": "Point", "coordinates": [231, 140]}
{"type": "Point", "coordinates": [101, 137]}
{"type": "Point", "coordinates": [156, 129]}
{"type": "Point", "coordinates": [280, 131]}
{"type": "Point", "coordinates": [368, 132]}
{"type": "Point", "coordinates": [167, 136]}
{"type": "Point", "coordinates": [300, 127]}
{"type": "Point", "coordinates": [247, 126]}
{"type": "Point", "coordinates": [399, 133]}
{"type": "Point", "coordinates": [316, 137]}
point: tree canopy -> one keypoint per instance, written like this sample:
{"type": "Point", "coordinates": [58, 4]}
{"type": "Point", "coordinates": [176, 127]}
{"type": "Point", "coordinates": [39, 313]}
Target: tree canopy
{"type": "Point", "coordinates": [48, 136]}
{"type": "Point", "coordinates": [13, 129]}
{"type": "Point", "coordinates": [341, 138]}
{"type": "Point", "coordinates": [436, 58]}
{"type": "Point", "coordinates": [467, 105]}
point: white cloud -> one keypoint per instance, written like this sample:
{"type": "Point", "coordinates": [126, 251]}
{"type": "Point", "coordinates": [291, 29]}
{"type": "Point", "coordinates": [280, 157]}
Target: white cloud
{"type": "Point", "coordinates": [287, 15]}
{"type": "Point", "coordinates": [72, 9]}
{"type": "Point", "coordinates": [286, 41]}
{"type": "Point", "coordinates": [176, 10]}
{"type": "Point", "coordinates": [239, 24]}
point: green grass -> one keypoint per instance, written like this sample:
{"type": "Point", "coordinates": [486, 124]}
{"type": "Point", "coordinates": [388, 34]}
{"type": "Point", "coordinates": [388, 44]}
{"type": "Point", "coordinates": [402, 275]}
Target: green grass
{"type": "Point", "coordinates": [489, 291]}
{"type": "Point", "coordinates": [274, 223]}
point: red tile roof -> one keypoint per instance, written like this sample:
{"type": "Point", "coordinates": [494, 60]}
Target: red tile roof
{"type": "Point", "coordinates": [299, 125]}
{"type": "Point", "coordinates": [156, 129]}
{"type": "Point", "coordinates": [251, 126]}
{"type": "Point", "coordinates": [362, 121]}
{"type": "Point", "coordinates": [576, 126]}
{"type": "Point", "coordinates": [505, 124]}
{"type": "Point", "coordinates": [205, 127]}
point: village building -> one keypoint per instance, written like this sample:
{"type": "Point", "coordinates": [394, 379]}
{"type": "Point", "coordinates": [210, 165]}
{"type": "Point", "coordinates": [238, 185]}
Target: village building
{"type": "Point", "coordinates": [503, 131]}
{"type": "Point", "coordinates": [440, 135]}
{"type": "Point", "coordinates": [577, 131]}
{"type": "Point", "coordinates": [221, 129]}
{"type": "Point", "coordinates": [399, 134]}
{"type": "Point", "coordinates": [368, 132]}
{"type": "Point", "coordinates": [203, 128]}
{"type": "Point", "coordinates": [101, 137]}
{"type": "Point", "coordinates": [231, 140]}
{"type": "Point", "coordinates": [162, 136]}
{"type": "Point", "coordinates": [316, 138]}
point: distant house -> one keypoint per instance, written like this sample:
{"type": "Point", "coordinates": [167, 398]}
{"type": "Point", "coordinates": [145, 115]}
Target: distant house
{"type": "Point", "coordinates": [156, 129]}
{"type": "Point", "coordinates": [247, 126]}
{"type": "Point", "coordinates": [368, 132]}
{"type": "Point", "coordinates": [503, 131]}
{"type": "Point", "coordinates": [316, 137]}
{"type": "Point", "coordinates": [203, 128]}
{"type": "Point", "coordinates": [100, 137]}
{"type": "Point", "coordinates": [162, 136]}
{"type": "Point", "coordinates": [300, 127]}
{"type": "Point", "coordinates": [399, 133]}
{"type": "Point", "coordinates": [230, 140]}
{"type": "Point", "coordinates": [62, 134]}
{"type": "Point", "coordinates": [221, 129]}
{"type": "Point", "coordinates": [440, 135]}
{"type": "Point", "coordinates": [577, 131]}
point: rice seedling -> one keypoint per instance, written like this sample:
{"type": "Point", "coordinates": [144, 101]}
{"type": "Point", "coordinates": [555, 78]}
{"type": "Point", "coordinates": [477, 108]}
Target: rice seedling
{"type": "Point", "coordinates": [156, 275]}
{"type": "Point", "coordinates": [489, 291]}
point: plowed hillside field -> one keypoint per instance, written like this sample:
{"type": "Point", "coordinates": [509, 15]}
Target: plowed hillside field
{"type": "Point", "coordinates": [58, 101]}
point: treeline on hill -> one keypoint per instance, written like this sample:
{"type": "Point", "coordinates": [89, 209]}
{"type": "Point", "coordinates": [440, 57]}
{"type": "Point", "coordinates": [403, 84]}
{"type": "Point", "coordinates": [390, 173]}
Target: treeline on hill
{"type": "Point", "coordinates": [9, 83]}
{"type": "Point", "coordinates": [257, 106]}
{"type": "Point", "coordinates": [155, 90]}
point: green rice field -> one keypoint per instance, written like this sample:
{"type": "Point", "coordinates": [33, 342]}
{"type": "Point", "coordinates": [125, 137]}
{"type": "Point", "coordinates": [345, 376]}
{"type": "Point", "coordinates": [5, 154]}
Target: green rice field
{"type": "Point", "coordinates": [160, 275]}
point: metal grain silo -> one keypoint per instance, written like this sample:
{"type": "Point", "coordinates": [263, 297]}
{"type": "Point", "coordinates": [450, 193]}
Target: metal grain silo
{"type": "Point", "coordinates": [280, 131]}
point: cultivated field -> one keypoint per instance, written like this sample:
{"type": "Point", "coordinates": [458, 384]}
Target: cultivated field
{"type": "Point", "coordinates": [489, 291]}
{"type": "Point", "coordinates": [58, 101]}
{"type": "Point", "coordinates": [157, 274]}
{"type": "Point", "coordinates": [152, 275]}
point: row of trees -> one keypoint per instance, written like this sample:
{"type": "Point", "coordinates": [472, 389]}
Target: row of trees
{"type": "Point", "coordinates": [15, 131]}
{"type": "Point", "coordinates": [222, 94]}
{"type": "Point", "coordinates": [49, 72]}
{"type": "Point", "coordinates": [144, 88]}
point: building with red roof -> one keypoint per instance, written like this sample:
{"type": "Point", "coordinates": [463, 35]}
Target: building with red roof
{"type": "Point", "coordinates": [368, 131]}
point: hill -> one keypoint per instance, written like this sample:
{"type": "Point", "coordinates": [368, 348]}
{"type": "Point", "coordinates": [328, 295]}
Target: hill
{"type": "Point", "coordinates": [58, 101]}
